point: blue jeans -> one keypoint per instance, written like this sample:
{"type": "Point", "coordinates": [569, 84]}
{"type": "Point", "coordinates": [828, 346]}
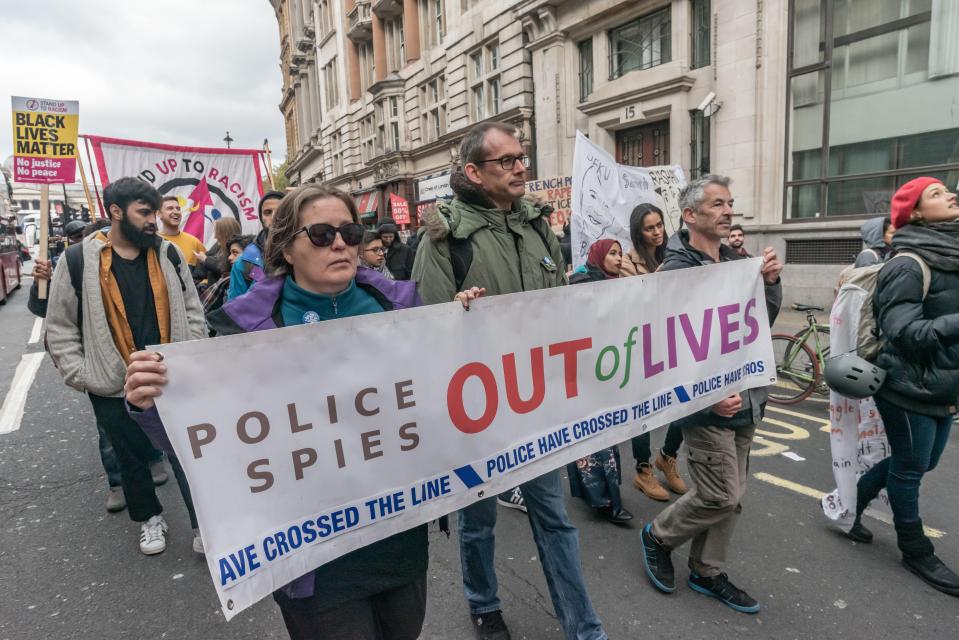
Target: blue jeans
{"type": "Point", "coordinates": [917, 442]}
{"type": "Point", "coordinates": [558, 544]}
{"type": "Point", "coordinates": [109, 458]}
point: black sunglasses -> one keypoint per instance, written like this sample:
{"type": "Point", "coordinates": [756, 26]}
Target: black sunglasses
{"type": "Point", "coordinates": [323, 235]}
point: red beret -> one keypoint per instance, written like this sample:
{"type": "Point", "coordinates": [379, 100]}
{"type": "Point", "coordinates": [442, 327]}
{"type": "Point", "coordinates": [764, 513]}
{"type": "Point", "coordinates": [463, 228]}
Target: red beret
{"type": "Point", "coordinates": [906, 199]}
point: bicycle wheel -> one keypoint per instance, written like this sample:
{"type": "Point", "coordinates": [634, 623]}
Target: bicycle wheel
{"type": "Point", "coordinates": [797, 370]}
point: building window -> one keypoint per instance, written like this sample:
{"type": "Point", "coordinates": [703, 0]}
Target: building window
{"type": "Point", "coordinates": [699, 144]}
{"type": "Point", "coordinates": [640, 44]}
{"type": "Point", "coordinates": [699, 35]}
{"type": "Point", "coordinates": [395, 45]}
{"type": "Point", "coordinates": [332, 96]}
{"type": "Point", "coordinates": [395, 133]}
{"type": "Point", "coordinates": [486, 98]}
{"type": "Point", "coordinates": [852, 57]}
{"type": "Point", "coordinates": [433, 109]}
{"type": "Point", "coordinates": [336, 152]}
{"type": "Point", "coordinates": [365, 54]}
{"type": "Point", "coordinates": [585, 69]}
{"type": "Point", "coordinates": [432, 22]}
{"type": "Point", "coordinates": [368, 138]}
{"type": "Point", "coordinates": [326, 18]}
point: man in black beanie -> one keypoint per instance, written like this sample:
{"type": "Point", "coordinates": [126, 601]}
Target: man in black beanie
{"type": "Point", "coordinates": [399, 257]}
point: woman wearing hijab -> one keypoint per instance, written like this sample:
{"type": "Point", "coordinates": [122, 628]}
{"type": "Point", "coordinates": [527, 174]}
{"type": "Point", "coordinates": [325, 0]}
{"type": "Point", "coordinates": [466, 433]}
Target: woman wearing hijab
{"type": "Point", "coordinates": [918, 318]}
{"type": "Point", "coordinates": [596, 478]}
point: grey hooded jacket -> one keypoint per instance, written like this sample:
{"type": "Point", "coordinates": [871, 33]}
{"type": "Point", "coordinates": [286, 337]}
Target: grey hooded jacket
{"type": "Point", "coordinates": [876, 250]}
{"type": "Point", "coordinates": [91, 362]}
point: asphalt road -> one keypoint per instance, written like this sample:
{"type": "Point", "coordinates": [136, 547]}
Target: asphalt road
{"type": "Point", "coordinates": [68, 569]}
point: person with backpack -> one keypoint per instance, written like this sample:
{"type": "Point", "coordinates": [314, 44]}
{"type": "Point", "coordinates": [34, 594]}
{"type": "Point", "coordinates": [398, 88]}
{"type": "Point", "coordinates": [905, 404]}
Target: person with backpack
{"type": "Point", "coordinates": [877, 236]}
{"type": "Point", "coordinates": [43, 270]}
{"type": "Point", "coordinates": [377, 592]}
{"type": "Point", "coordinates": [916, 307]}
{"type": "Point", "coordinates": [249, 268]}
{"type": "Point", "coordinates": [110, 296]}
{"type": "Point", "coordinates": [490, 236]}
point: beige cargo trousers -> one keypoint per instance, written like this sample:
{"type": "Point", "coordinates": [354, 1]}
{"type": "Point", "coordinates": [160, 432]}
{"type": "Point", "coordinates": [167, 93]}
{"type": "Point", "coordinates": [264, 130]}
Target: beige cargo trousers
{"type": "Point", "coordinates": [718, 460]}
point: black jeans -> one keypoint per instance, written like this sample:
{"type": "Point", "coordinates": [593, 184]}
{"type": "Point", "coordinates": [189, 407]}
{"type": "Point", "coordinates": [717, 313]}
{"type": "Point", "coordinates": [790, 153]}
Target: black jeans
{"type": "Point", "coordinates": [134, 452]}
{"type": "Point", "coordinates": [642, 453]}
{"type": "Point", "coordinates": [391, 615]}
{"type": "Point", "coordinates": [917, 442]}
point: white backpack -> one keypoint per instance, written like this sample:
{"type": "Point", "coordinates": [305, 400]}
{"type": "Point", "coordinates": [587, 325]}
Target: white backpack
{"type": "Point", "coordinates": [861, 283]}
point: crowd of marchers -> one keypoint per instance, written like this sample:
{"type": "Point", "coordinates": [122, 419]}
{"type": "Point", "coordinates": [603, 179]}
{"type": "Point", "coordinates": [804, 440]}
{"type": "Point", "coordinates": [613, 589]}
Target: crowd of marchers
{"type": "Point", "coordinates": [136, 279]}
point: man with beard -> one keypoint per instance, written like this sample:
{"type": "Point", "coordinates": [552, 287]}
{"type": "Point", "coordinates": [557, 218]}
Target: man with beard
{"type": "Point", "coordinates": [737, 240]}
{"type": "Point", "coordinates": [170, 219]}
{"type": "Point", "coordinates": [717, 438]}
{"type": "Point", "coordinates": [114, 294]}
{"type": "Point", "coordinates": [248, 268]}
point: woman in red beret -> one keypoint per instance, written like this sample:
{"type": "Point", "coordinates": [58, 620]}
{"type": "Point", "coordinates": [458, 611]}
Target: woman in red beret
{"type": "Point", "coordinates": [917, 312]}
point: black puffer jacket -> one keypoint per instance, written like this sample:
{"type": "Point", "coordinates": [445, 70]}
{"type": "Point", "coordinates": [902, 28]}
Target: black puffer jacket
{"type": "Point", "coordinates": [921, 349]}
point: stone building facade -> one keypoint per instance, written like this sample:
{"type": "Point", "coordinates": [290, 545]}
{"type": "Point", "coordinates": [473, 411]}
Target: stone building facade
{"type": "Point", "coordinates": [818, 109]}
{"type": "Point", "coordinates": [377, 95]}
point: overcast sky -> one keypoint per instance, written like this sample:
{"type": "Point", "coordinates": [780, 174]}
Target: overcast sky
{"type": "Point", "coordinates": [170, 71]}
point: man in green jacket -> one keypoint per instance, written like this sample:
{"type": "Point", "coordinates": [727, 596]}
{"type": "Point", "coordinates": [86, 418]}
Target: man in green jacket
{"type": "Point", "coordinates": [489, 236]}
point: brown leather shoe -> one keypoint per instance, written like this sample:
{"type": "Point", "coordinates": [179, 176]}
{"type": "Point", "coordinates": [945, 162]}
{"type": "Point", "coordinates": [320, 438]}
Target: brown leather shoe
{"type": "Point", "coordinates": [667, 464]}
{"type": "Point", "coordinates": [646, 482]}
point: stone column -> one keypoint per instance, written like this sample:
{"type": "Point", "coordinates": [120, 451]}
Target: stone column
{"type": "Point", "coordinates": [379, 49]}
{"type": "Point", "coordinates": [411, 28]}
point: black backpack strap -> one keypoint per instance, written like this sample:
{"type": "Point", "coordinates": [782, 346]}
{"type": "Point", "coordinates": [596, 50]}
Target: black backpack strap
{"type": "Point", "coordinates": [174, 257]}
{"type": "Point", "coordinates": [461, 258]}
{"type": "Point", "coordinates": [74, 257]}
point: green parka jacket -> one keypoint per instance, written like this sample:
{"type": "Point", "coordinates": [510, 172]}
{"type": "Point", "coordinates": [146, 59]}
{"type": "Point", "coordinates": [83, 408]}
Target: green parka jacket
{"type": "Point", "coordinates": [511, 251]}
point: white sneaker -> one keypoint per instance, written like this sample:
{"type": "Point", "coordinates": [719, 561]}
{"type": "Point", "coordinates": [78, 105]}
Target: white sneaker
{"type": "Point", "coordinates": [513, 499]}
{"type": "Point", "coordinates": [197, 542]}
{"type": "Point", "coordinates": [153, 536]}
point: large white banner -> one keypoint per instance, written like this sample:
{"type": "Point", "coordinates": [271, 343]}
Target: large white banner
{"type": "Point", "coordinates": [209, 183]}
{"type": "Point", "coordinates": [352, 435]}
{"type": "Point", "coordinates": [605, 194]}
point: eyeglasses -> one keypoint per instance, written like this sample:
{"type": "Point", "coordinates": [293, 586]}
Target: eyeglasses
{"type": "Point", "coordinates": [377, 250]}
{"type": "Point", "coordinates": [323, 235]}
{"type": "Point", "coordinates": [507, 162]}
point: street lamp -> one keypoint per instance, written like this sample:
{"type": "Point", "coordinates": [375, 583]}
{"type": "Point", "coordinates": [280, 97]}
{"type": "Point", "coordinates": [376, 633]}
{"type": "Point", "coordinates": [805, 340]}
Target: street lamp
{"type": "Point", "coordinates": [227, 139]}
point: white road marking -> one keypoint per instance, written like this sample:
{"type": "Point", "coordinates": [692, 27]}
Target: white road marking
{"type": "Point", "coordinates": [817, 494]}
{"type": "Point", "coordinates": [792, 455]}
{"type": "Point", "coordinates": [37, 330]}
{"type": "Point", "coordinates": [12, 411]}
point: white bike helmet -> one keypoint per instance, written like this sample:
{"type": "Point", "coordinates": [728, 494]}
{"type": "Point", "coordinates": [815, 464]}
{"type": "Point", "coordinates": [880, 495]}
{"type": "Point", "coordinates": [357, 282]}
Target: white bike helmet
{"type": "Point", "coordinates": [852, 376]}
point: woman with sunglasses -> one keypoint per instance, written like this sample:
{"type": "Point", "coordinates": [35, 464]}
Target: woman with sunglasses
{"type": "Point", "coordinates": [377, 592]}
{"type": "Point", "coordinates": [373, 255]}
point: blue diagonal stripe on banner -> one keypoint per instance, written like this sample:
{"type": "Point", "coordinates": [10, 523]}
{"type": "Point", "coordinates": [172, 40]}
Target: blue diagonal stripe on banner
{"type": "Point", "coordinates": [469, 476]}
{"type": "Point", "coordinates": [681, 394]}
